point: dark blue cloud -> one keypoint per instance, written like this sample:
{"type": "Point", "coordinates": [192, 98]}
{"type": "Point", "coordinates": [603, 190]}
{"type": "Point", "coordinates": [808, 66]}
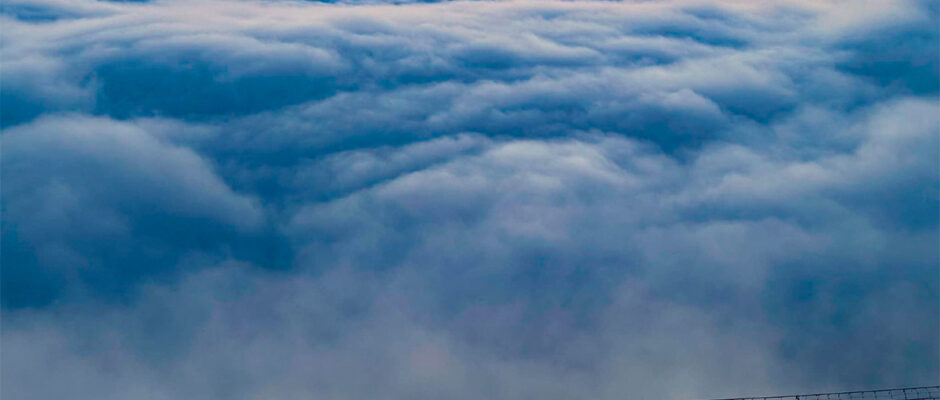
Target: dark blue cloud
{"type": "Point", "coordinates": [468, 199]}
{"type": "Point", "coordinates": [105, 202]}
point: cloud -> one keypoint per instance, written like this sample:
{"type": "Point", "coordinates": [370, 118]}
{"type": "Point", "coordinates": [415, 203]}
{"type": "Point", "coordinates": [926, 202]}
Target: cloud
{"type": "Point", "coordinates": [672, 199]}
{"type": "Point", "coordinates": [92, 196]}
{"type": "Point", "coordinates": [251, 344]}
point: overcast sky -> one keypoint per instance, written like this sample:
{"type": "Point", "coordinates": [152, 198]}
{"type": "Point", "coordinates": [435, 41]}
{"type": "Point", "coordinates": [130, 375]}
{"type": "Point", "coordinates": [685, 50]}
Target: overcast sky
{"type": "Point", "coordinates": [522, 199]}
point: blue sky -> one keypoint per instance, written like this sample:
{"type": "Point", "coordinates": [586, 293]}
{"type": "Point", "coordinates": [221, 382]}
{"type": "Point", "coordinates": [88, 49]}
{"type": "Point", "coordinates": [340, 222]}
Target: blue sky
{"type": "Point", "coordinates": [468, 200]}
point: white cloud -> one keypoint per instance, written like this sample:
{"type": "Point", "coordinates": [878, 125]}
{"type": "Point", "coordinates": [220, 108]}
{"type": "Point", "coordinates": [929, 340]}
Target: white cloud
{"type": "Point", "coordinates": [671, 199]}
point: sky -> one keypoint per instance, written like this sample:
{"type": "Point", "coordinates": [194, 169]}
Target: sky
{"type": "Point", "coordinates": [520, 199]}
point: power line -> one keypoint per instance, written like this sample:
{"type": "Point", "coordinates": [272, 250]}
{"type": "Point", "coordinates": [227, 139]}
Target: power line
{"type": "Point", "coordinates": [910, 393]}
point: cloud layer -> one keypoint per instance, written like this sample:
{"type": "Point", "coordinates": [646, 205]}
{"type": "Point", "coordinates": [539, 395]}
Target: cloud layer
{"type": "Point", "coordinates": [508, 200]}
